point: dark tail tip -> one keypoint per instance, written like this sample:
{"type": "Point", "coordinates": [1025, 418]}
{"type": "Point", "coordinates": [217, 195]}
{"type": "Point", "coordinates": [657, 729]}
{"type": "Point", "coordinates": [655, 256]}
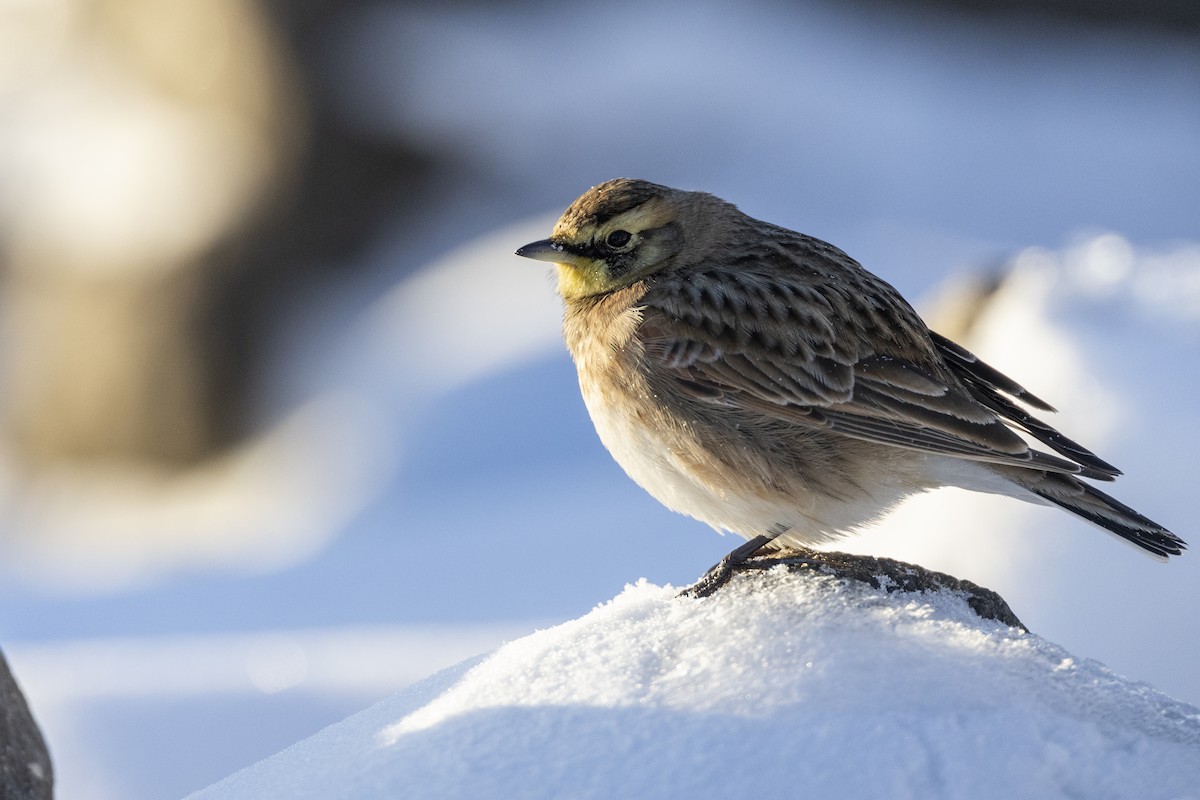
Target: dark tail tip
{"type": "Point", "coordinates": [1114, 516]}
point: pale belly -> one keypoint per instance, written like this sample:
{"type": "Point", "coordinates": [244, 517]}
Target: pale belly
{"type": "Point", "coordinates": [666, 457]}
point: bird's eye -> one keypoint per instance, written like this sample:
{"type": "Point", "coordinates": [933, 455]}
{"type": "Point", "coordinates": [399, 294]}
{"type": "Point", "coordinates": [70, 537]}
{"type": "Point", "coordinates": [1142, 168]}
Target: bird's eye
{"type": "Point", "coordinates": [618, 239]}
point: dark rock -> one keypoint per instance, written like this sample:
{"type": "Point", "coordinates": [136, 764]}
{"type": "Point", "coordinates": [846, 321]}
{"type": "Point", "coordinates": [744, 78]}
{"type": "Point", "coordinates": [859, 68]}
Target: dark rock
{"type": "Point", "coordinates": [891, 576]}
{"type": "Point", "coordinates": [25, 770]}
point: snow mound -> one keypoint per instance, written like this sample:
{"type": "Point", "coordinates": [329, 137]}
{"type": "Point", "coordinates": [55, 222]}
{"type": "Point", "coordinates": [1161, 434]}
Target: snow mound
{"type": "Point", "coordinates": [781, 682]}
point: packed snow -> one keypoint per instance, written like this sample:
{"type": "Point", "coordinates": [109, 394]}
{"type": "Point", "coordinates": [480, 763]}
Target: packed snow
{"type": "Point", "coordinates": [781, 685]}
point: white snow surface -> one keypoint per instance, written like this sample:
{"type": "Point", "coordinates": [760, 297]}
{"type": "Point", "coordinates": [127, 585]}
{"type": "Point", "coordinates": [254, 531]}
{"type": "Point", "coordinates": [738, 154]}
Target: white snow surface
{"type": "Point", "coordinates": [781, 685]}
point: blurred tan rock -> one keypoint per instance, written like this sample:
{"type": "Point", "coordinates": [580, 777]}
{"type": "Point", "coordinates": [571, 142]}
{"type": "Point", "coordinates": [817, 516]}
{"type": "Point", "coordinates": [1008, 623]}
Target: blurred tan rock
{"type": "Point", "coordinates": [145, 136]}
{"type": "Point", "coordinates": [956, 303]}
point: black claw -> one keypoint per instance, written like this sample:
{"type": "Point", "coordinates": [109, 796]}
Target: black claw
{"type": "Point", "coordinates": [720, 573]}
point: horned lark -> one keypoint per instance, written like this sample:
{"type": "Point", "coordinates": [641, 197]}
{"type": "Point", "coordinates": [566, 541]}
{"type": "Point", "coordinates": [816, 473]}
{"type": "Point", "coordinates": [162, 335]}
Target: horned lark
{"type": "Point", "coordinates": [762, 381]}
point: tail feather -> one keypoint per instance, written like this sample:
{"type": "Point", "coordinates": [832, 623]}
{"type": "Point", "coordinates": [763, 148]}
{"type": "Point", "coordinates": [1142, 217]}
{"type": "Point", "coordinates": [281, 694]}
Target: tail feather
{"type": "Point", "coordinates": [1109, 513]}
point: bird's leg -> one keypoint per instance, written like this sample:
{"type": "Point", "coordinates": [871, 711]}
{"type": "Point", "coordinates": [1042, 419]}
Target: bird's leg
{"type": "Point", "coordinates": [720, 573]}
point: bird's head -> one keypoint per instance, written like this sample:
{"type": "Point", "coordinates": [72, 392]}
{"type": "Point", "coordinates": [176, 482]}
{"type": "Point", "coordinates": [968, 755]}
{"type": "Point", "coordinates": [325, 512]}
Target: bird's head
{"type": "Point", "coordinates": [616, 234]}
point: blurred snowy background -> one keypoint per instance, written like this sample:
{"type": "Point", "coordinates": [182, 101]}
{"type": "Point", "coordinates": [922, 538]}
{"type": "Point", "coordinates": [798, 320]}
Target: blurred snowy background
{"type": "Point", "coordinates": [286, 427]}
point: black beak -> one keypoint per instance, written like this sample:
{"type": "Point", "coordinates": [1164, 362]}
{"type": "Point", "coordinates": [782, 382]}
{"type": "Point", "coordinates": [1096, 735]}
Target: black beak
{"type": "Point", "coordinates": [545, 250]}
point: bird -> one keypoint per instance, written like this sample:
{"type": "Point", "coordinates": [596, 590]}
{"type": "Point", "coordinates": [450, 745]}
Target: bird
{"type": "Point", "coordinates": [764, 382]}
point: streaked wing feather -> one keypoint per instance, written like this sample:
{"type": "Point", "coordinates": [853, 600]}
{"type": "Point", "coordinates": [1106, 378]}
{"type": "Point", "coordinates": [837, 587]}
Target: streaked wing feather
{"type": "Point", "coordinates": [992, 388]}
{"type": "Point", "coordinates": [967, 365]}
{"type": "Point", "coordinates": [910, 436]}
{"type": "Point", "coordinates": [780, 355]}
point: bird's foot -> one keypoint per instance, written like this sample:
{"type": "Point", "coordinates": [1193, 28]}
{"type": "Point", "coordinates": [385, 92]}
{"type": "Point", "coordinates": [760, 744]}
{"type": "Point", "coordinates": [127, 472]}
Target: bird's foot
{"type": "Point", "coordinates": [720, 573]}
